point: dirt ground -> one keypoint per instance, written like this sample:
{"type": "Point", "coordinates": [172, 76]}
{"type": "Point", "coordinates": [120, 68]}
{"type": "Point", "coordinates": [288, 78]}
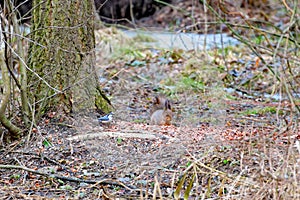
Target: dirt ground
{"type": "Point", "coordinates": [129, 158]}
{"type": "Point", "coordinates": [214, 141]}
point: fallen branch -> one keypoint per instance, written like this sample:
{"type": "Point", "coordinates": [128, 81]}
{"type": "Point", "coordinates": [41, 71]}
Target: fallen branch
{"type": "Point", "coordinates": [65, 178]}
{"type": "Point", "coordinates": [137, 134]}
{"type": "Point", "coordinates": [42, 157]}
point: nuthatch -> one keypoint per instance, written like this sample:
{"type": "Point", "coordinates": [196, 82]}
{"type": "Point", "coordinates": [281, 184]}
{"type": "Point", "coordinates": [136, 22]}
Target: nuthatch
{"type": "Point", "coordinates": [106, 118]}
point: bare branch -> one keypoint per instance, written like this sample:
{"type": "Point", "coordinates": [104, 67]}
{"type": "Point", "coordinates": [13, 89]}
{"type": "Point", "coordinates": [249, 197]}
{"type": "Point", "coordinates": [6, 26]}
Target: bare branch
{"type": "Point", "coordinates": [65, 178]}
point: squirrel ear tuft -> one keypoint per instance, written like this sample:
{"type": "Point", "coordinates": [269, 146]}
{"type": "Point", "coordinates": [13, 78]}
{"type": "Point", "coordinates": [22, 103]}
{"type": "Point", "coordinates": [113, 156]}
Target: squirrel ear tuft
{"type": "Point", "coordinates": [167, 105]}
{"type": "Point", "coordinates": [156, 100]}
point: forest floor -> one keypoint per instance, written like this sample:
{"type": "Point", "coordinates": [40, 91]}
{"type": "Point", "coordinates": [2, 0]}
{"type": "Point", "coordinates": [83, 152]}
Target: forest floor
{"type": "Point", "coordinates": [226, 141]}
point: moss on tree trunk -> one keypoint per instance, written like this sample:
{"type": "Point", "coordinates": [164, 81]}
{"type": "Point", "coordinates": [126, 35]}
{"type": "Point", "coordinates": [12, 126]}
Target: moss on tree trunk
{"type": "Point", "coordinates": [63, 56]}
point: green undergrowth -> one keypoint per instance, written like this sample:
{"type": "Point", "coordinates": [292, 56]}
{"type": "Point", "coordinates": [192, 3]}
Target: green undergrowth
{"type": "Point", "coordinates": [262, 111]}
{"type": "Point", "coordinates": [143, 38]}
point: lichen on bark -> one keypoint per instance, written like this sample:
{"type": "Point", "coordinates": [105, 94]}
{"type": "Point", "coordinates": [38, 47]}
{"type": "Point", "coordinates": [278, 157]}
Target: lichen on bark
{"type": "Point", "coordinates": [63, 56]}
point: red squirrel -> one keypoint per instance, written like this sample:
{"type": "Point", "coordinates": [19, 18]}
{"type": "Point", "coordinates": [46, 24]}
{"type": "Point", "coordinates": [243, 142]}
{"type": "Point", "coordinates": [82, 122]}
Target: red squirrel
{"type": "Point", "coordinates": [161, 112]}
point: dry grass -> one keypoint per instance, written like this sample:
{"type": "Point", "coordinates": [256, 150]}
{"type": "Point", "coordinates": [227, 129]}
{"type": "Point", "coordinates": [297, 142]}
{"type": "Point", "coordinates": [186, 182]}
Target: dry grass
{"type": "Point", "coordinates": [260, 168]}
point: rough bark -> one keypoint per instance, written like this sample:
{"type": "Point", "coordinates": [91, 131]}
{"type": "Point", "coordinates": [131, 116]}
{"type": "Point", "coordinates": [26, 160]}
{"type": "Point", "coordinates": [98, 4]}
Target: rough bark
{"type": "Point", "coordinates": [62, 57]}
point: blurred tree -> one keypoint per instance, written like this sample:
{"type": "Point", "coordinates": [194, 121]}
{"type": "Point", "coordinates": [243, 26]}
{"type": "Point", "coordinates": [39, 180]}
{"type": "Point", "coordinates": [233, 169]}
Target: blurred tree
{"type": "Point", "coordinates": [61, 58]}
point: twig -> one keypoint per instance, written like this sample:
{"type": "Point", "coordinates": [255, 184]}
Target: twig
{"type": "Point", "coordinates": [65, 178]}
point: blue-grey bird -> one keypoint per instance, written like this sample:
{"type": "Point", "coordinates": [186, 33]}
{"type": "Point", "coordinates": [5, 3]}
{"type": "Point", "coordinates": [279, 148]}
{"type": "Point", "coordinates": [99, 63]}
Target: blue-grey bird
{"type": "Point", "coordinates": [106, 118]}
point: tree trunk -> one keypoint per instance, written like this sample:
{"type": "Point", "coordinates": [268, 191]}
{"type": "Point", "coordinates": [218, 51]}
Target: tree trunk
{"type": "Point", "coordinates": [62, 57]}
